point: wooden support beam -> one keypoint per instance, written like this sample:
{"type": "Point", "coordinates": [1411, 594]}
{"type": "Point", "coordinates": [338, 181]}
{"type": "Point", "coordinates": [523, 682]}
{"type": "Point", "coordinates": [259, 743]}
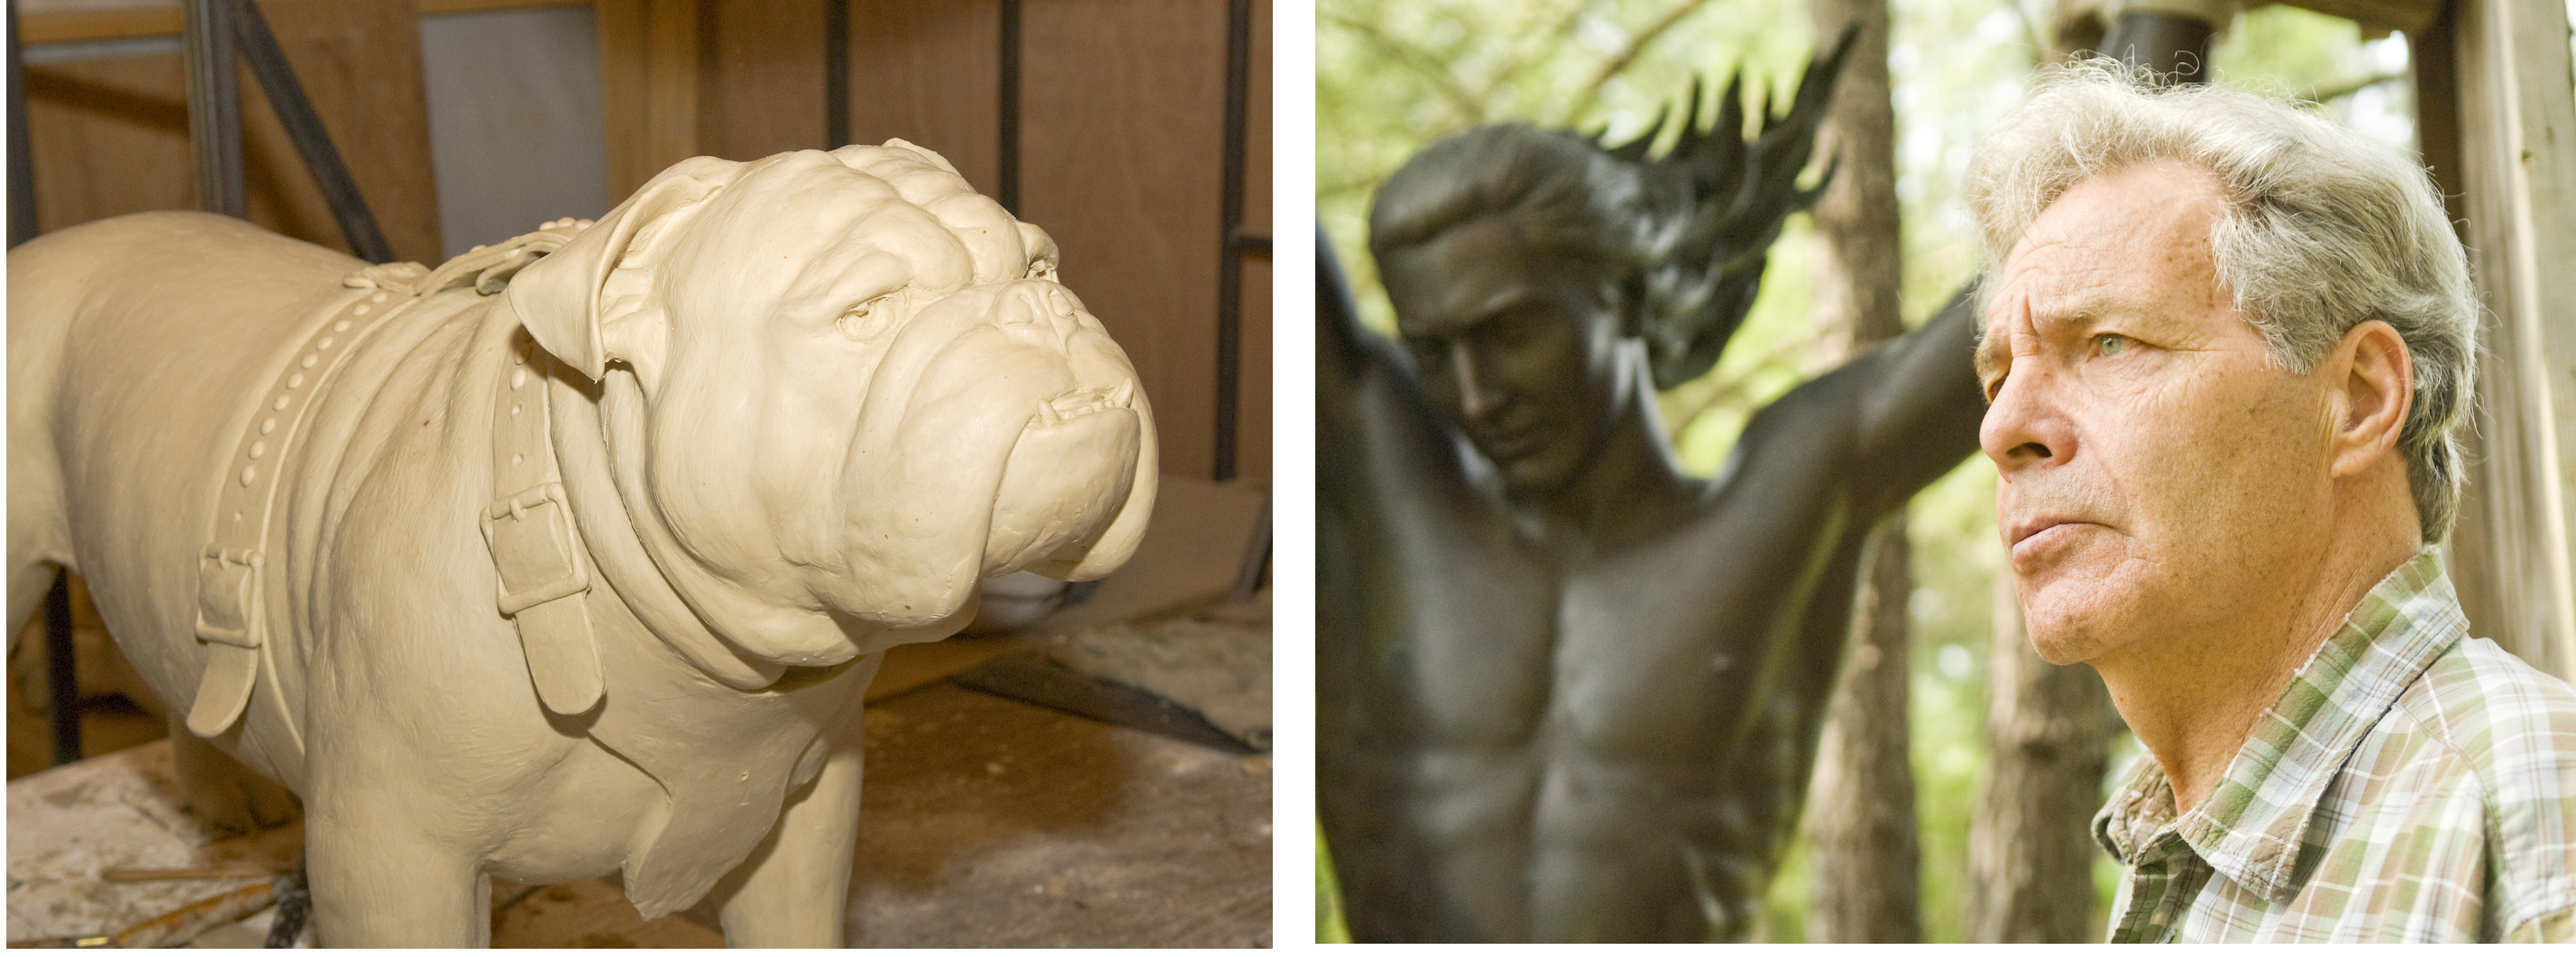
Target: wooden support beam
{"type": "Point", "coordinates": [2497, 117]}
{"type": "Point", "coordinates": [2412, 16]}
{"type": "Point", "coordinates": [46, 23]}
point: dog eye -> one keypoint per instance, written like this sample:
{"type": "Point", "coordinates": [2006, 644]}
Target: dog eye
{"type": "Point", "coordinates": [869, 319]}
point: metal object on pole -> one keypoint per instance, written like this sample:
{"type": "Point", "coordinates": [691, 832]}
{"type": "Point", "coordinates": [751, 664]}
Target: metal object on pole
{"type": "Point", "coordinates": [303, 127]}
{"type": "Point", "coordinates": [214, 106]}
{"type": "Point", "coordinates": [2173, 44]}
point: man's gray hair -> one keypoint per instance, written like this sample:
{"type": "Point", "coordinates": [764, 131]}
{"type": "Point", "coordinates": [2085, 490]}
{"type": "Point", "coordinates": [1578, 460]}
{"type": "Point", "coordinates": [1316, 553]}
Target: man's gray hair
{"type": "Point", "coordinates": [2325, 230]}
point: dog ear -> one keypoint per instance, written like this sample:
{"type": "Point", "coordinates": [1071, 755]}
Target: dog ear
{"type": "Point", "coordinates": [565, 299]}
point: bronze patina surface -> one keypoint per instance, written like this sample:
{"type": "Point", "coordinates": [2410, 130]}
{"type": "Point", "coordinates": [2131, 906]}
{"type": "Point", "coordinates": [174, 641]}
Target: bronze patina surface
{"type": "Point", "coordinates": [1565, 691]}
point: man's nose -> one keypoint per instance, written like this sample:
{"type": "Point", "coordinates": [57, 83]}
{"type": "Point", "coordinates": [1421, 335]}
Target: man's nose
{"type": "Point", "coordinates": [2025, 425]}
{"type": "Point", "coordinates": [1473, 403]}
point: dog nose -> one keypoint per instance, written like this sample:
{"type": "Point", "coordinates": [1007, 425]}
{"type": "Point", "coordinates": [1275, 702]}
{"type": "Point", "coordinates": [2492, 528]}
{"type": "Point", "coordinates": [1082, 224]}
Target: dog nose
{"type": "Point", "coordinates": [1028, 300]}
{"type": "Point", "coordinates": [1041, 307]}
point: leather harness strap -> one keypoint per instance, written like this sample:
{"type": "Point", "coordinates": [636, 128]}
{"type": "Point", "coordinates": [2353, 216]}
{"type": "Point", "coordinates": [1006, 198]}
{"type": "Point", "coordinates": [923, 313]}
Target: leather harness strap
{"type": "Point", "coordinates": [531, 537]}
{"type": "Point", "coordinates": [535, 544]}
{"type": "Point", "coordinates": [232, 613]}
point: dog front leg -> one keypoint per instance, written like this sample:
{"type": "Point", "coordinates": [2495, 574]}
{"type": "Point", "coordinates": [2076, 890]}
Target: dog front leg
{"type": "Point", "coordinates": [224, 795]}
{"type": "Point", "coordinates": [378, 882]}
{"type": "Point", "coordinates": [794, 890]}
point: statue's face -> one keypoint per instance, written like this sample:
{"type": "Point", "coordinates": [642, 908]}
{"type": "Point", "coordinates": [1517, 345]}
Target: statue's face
{"type": "Point", "coordinates": [2159, 475]}
{"type": "Point", "coordinates": [1524, 353]}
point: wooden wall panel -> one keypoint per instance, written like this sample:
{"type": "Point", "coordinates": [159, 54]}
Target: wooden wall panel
{"type": "Point", "coordinates": [1122, 143]}
{"type": "Point", "coordinates": [929, 71]}
{"type": "Point", "coordinates": [651, 73]}
{"type": "Point", "coordinates": [110, 137]}
{"type": "Point", "coordinates": [767, 60]}
{"type": "Point", "coordinates": [110, 134]}
{"type": "Point", "coordinates": [1122, 147]}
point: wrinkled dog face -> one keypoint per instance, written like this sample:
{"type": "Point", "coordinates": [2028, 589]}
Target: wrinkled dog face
{"type": "Point", "coordinates": [864, 388]}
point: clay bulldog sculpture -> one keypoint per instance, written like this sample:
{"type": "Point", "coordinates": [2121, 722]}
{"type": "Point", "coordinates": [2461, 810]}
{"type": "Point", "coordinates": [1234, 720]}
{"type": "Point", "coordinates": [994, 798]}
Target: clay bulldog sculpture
{"type": "Point", "coordinates": [574, 555]}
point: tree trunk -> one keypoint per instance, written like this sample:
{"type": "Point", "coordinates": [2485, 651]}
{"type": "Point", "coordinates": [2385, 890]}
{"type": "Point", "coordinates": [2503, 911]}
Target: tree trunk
{"type": "Point", "coordinates": [2030, 848]}
{"type": "Point", "coordinates": [2048, 736]}
{"type": "Point", "coordinates": [1860, 811]}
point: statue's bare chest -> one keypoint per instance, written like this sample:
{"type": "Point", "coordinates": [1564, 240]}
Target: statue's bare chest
{"type": "Point", "coordinates": [1648, 655]}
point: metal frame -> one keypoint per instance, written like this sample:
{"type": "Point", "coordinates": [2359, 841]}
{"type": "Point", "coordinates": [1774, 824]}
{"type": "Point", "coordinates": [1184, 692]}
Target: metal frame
{"type": "Point", "coordinates": [1009, 187]}
{"type": "Point", "coordinates": [215, 35]}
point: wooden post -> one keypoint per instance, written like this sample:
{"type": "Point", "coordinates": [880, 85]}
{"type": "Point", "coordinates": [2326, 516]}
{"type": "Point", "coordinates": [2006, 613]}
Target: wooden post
{"type": "Point", "coordinates": [2030, 845]}
{"type": "Point", "coordinates": [2498, 127]}
{"type": "Point", "coordinates": [1860, 809]}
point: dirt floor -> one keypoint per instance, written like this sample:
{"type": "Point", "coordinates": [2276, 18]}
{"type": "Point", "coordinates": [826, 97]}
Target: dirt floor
{"type": "Point", "coordinates": [991, 823]}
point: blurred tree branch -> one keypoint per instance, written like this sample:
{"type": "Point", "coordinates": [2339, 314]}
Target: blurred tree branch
{"type": "Point", "coordinates": [1619, 64]}
{"type": "Point", "coordinates": [1422, 61]}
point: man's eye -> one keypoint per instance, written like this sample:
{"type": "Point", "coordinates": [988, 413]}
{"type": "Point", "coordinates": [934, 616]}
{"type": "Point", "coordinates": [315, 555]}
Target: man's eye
{"type": "Point", "coordinates": [2111, 345]}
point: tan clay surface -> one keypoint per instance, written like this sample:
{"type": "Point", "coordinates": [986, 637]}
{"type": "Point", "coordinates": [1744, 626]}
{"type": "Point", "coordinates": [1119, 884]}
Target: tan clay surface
{"type": "Point", "coordinates": [604, 601]}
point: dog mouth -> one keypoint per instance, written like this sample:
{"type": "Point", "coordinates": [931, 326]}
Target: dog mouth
{"type": "Point", "coordinates": [1069, 473]}
{"type": "Point", "coordinates": [1076, 403]}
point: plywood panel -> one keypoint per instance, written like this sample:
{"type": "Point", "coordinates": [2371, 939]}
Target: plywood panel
{"type": "Point", "coordinates": [109, 136]}
{"type": "Point", "coordinates": [359, 61]}
{"type": "Point", "coordinates": [110, 133]}
{"type": "Point", "coordinates": [650, 86]}
{"type": "Point", "coordinates": [929, 71]}
{"type": "Point", "coordinates": [1122, 149]}
{"type": "Point", "coordinates": [768, 70]}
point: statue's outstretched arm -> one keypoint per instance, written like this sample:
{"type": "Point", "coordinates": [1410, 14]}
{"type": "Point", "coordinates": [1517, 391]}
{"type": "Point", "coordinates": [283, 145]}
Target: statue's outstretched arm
{"type": "Point", "coordinates": [1376, 434]}
{"type": "Point", "coordinates": [1343, 350]}
{"type": "Point", "coordinates": [1920, 405]}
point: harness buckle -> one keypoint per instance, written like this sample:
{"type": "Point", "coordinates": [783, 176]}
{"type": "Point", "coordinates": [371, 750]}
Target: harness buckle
{"type": "Point", "coordinates": [530, 535]}
{"type": "Point", "coordinates": [227, 584]}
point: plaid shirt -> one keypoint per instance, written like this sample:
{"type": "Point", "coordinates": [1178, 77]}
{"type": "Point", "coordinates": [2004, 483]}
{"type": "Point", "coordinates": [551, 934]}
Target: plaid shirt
{"type": "Point", "coordinates": [2412, 784]}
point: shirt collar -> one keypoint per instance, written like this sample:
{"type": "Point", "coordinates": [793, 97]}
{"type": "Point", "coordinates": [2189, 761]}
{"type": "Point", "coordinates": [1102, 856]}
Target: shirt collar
{"type": "Point", "coordinates": [2251, 826]}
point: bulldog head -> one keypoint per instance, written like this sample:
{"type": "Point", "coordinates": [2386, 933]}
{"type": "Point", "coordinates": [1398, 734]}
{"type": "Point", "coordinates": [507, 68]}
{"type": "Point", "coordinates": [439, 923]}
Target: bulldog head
{"type": "Point", "coordinates": [863, 391]}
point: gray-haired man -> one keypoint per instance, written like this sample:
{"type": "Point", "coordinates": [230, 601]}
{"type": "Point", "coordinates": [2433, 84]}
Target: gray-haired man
{"type": "Point", "coordinates": [2226, 350]}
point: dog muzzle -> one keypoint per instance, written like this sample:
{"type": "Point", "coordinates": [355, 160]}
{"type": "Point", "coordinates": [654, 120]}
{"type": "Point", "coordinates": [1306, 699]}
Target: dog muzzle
{"type": "Point", "coordinates": [1003, 431]}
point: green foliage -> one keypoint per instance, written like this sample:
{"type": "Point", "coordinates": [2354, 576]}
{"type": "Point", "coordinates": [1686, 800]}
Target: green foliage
{"type": "Point", "coordinates": [1393, 75]}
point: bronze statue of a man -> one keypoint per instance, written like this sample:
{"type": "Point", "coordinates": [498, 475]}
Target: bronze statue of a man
{"type": "Point", "coordinates": [1566, 692]}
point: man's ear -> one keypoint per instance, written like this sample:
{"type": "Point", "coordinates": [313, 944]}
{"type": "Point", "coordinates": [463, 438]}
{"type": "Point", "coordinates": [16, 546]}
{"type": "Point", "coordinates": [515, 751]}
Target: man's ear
{"type": "Point", "coordinates": [2374, 390]}
{"type": "Point", "coordinates": [565, 299]}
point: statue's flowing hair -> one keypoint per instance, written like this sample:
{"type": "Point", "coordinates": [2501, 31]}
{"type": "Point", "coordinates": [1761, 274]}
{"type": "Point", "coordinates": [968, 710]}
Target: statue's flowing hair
{"type": "Point", "coordinates": [1680, 238]}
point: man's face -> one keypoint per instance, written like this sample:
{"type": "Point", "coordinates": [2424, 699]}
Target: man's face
{"type": "Point", "coordinates": [1524, 353]}
{"type": "Point", "coordinates": [2158, 473]}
